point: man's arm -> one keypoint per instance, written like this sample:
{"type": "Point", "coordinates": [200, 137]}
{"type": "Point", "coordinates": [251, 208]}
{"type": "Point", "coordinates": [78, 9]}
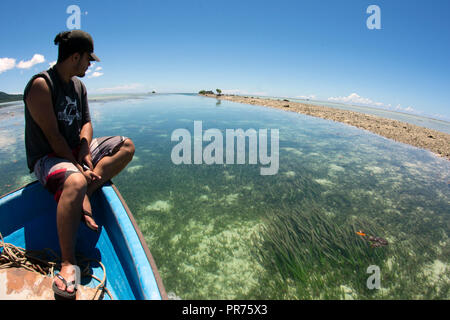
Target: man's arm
{"type": "Point", "coordinates": [40, 106]}
{"type": "Point", "coordinates": [87, 132]}
{"type": "Point", "coordinates": [86, 138]}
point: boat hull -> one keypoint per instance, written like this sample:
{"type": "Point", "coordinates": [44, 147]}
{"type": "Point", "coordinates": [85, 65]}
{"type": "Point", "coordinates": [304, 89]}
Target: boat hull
{"type": "Point", "coordinates": [28, 220]}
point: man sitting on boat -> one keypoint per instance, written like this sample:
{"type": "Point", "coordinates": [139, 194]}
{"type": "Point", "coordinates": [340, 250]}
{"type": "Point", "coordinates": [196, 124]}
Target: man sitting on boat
{"type": "Point", "coordinates": [60, 147]}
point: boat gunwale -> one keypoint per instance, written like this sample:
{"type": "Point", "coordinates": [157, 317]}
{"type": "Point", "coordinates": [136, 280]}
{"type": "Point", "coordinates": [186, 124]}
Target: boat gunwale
{"type": "Point", "coordinates": [143, 243]}
{"type": "Point", "coordinates": [15, 190]}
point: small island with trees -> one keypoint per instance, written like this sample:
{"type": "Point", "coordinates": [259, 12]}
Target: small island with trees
{"type": "Point", "coordinates": [206, 92]}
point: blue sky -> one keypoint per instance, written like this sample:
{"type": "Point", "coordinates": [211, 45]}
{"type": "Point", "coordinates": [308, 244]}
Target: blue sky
{"type": "Point", "coordinates": [317, 49]}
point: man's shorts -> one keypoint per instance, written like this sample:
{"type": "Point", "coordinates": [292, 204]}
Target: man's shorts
{"type": "Point", "coordinates": [52, 171]}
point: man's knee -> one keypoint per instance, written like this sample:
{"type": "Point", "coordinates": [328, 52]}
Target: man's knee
{"type": "Point", "coordinates": [128, 147]}
{"type": "Point", "coordinates": [76, 182]}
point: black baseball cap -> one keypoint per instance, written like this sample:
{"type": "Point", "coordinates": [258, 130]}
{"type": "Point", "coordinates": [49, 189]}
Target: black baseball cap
{"type": "Point", "coordinates": [76, 41]}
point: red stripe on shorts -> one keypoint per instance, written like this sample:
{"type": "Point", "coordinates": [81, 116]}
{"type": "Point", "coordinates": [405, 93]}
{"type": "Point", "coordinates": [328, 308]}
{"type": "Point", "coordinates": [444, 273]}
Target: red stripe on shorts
{"type": "Point", "coordinates": [55, 182]}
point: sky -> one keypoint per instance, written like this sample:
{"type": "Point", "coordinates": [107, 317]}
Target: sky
{"type": "Point", "coordinates": [321, 50]}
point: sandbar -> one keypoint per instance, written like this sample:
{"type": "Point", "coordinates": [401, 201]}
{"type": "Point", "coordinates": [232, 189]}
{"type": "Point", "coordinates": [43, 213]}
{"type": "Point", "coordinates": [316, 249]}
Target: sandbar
{"type": "Point", "coordinates": [429, 139]}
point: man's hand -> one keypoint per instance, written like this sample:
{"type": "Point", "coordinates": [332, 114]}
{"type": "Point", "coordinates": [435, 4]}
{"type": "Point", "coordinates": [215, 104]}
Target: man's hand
{"type": "Point", "coordinates": [87, 159]}
{"type": "Point", "coordinates": [91, 176]}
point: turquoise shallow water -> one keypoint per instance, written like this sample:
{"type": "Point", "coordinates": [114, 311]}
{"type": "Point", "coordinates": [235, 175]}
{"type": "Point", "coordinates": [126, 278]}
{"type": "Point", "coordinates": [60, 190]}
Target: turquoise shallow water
{"type": "Point", "coordinates": [212, 228]}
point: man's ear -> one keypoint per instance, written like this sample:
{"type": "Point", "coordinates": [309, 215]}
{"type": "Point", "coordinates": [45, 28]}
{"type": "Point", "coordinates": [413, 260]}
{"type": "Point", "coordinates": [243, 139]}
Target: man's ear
{"type": "Point", "coordinates": [76, 57]}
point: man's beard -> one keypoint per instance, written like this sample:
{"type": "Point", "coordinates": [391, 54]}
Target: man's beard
{"type": "Point", "coordinates": [81, 72]}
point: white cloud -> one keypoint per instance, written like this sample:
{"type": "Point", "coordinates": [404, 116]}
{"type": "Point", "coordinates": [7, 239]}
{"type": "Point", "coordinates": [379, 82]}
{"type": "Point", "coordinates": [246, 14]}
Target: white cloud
{"type": "Point", "coordinates": [95, 74]}
{"type": "Point", "coordinates": [37, 58]}
{"type": "Point", "coordinates": [242, 92]}
{"type": "Point", "coordinates": [354, 98]}
{"type": "Point", "coordinates": [131, 87]}
{"type": "Point", "coordinates": [7, 64]}
{"type": "Point", "coordinates": [93, 68]}
{"type": "Point", "coordinates": [407, 109]}
{"type": "Point", "coordinates": [51, 64]}
{"type": "Point", "coordinates": [311, 97]}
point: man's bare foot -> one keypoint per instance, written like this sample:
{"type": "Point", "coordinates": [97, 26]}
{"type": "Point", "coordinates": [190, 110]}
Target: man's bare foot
{"type": "Point", "coordinates": [90, 222]}
{"type": "Point", "coordinates": [87, 212]}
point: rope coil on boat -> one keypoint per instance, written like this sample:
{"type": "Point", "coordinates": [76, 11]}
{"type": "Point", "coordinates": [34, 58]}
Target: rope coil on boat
{"type": "Point", "coordinates": [34, 260]}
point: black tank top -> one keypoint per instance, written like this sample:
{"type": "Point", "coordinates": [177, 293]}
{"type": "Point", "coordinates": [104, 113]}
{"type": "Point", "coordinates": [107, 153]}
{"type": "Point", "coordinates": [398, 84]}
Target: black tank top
{"type": "Point", "coordinates": [71, 110]}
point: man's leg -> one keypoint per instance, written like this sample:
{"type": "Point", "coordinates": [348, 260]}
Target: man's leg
{"type": "Point", "coordinates": [110, 166]}
{"type": "Point", "coordinates": [87, 207]}
{"type": "Point", "coordinates": [107, 168]}
{"type": "Point", "coordinates": [68, 214]}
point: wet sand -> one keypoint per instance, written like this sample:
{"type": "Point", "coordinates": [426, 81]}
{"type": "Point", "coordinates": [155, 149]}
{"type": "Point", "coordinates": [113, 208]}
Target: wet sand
{"type": "Point", "coordinates": [429, 139]}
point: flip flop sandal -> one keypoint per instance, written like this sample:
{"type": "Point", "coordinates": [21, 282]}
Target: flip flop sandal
{"type": "Point", "coordinates": [64, 293]}
{"type": "Point", "coordinates": [83, 219]}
